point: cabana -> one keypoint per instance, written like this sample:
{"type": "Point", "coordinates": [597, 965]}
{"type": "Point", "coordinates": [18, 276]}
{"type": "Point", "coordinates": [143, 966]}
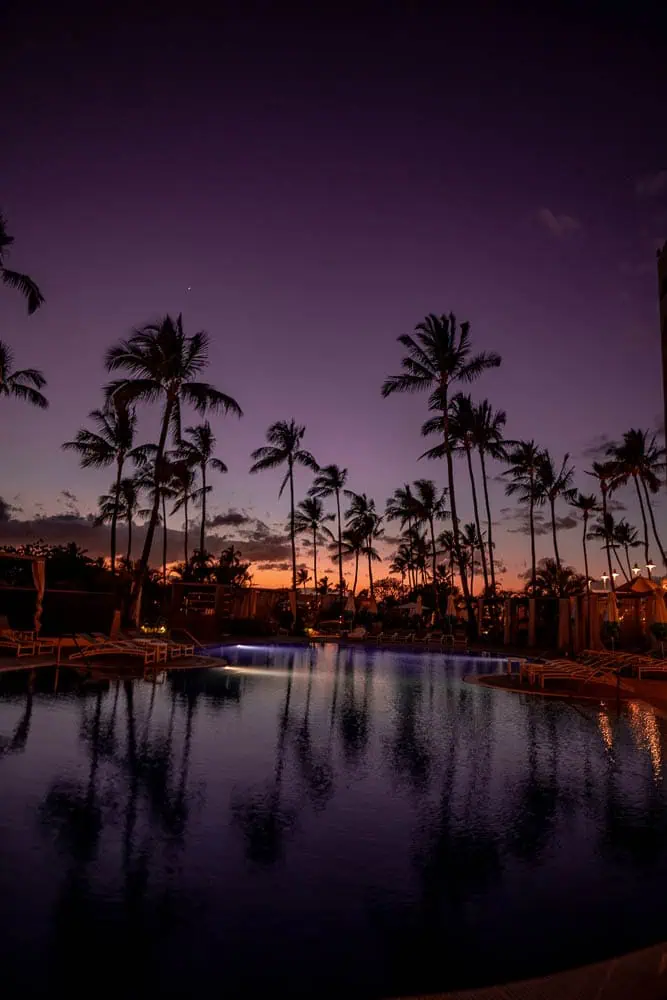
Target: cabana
{"type": "Point", "coordinates": [38, 560]}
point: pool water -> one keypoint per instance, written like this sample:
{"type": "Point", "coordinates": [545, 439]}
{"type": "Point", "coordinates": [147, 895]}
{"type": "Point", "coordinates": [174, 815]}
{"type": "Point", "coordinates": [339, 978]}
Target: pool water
{"type": "Point", "coordinates": [320, 822]}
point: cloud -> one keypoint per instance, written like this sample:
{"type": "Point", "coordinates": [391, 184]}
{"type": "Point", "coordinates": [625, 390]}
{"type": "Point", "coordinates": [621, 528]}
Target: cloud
{"type": "Point", "coordinates": [557, 225]}
{"type": "Point", "coordinates": [596, 448]}
{"type": "Point", "coordinates": [651, 185]}
{"type": "Point", "coordinates": [282, 567]}
{"type": "Point", "coordinates": [233, 518]}
{"type": "Point", "coordinates": [521, 525]}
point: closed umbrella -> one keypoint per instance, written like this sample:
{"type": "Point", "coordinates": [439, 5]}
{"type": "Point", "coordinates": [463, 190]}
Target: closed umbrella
{"type": "Point", "coordinates": [372, 606]}
{"type": "Point", "coordinates": [350, 605]}
{"type": "Point", "coordinates": [451, 606]}
{"type": "Point", "coordinates": [419, 607]}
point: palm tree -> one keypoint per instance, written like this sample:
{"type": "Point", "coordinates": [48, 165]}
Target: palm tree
{"type": "Point", "coordinates": [126, 507]}
{"type": "Point", "coordinates": [185, 489]}
{"type": "Point", "coordinates": [323, 586]}
{"type": "Point", "coordinates": [399, 565]}
{"type": "Point", "coordinates": [553, 580]}
{"type": "Point", "coordinates": [639, 458]}
{"type": "Point", "coordinates": [309, 517]}
{"type": "Point", "coordinates": [522, 474]}
{"type": "Point", "coordinates": [197, 448]}
{"type": "Point", "coordinates": [446, 543]}
{"type": "Point", "coordinates": [353, 545]}
{"type": "Point", "coordinates": [473, 542]}
{"type": "Point", "coordinates": [14, 279]}
{"type": "Point", "coordinates": [461, 427]}
{"type": "Point", "coordinates": [284, 448]}
{"type": "Point", "coordinates": [605, 529]}
{"type": "Point", "coordinates": [553, 483]}
{"type": "Point", "coordinates": [363, 518]}
{"type": "Point", "coordinates": [401, 507]}
{"type": "Point", "coordinates": [303, 576]}
{"type": "Point", "coordinates": [430, 506]}
{"type": "Point", "coordinates": [603, 472]}
{"type": "Point", "coordinates": [111, 443]}
{"type": "Point", "coordinates": [487, 435]}
{"type": "Point", "coordinates": [23, 384]}
{"type": "Point", "coordinates": [438, 357]}
{"type": "Point", "coordinates": [163, 363]}
{"type": "Point", "coordinates": [156, 477]}
{"type": "Point", "coordinates": [627, 536]}
{"type": "Point", "coordinates": [331, 481]}
{"type": "Point", "coordinates": [586, 504]}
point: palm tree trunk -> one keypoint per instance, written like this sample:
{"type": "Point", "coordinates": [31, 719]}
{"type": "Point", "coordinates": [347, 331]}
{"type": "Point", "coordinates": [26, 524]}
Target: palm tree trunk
{"type": "Point", "coordinates": [653, 525]}
{"type": "Point", "coordinates": [554, 535]}
{"type": "Point", "coordinates": [434, 552]}
{"type": "Point", "coordinates": [583, 542]}
{"type": "Point", "coordinates": [643, 513]}
{"type": "Point", "coordinates": [627, 556]}
{"type": "Point", "coordinates": [129, 539]}
{"type": "Point", "coordinates": [356, 572]}
{"type": "Point", "coordinates": [185, 538]}
{"type": "Point", "coordinates": [292, 527]}
{"type": "Point", "coordinates": [533, 560]}
{"type": "Point", "coordinates": [370, 568]}
{"type": "Point", "coordinates": [142, 565]}
{"type": "Point", "coordinates": [621, 566]}
{"type": "Point", "coordinates": [114, 516]}
{"type": "Point", "coordinates": [475, 508]}
{"type": "Point", "coordinates": [164, 540]}
{"type": "Point", "coordinates": [202, 529]}
{"type": "Point", "coordinates": [340, 547]}
{"type": "Point", "coordinates": [455, 518]}
{"type": "Point", "coordinates": [489, 535]}
{"type": "Point", "coordinates": [607, 540]}
{"type": "Point", "coordinates": [315, 558]}
{"type": "Point", "coordinates": [472, 573]}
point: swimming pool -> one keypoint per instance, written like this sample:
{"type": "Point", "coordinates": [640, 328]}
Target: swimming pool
{"type": "Point", "coordinates": [321, 821]}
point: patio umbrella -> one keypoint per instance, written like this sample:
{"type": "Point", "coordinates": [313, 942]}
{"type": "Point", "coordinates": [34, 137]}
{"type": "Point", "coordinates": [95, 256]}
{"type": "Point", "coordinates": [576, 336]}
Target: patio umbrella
{"type": "Point", "coordinates": [292, 603]}
{"type": "Point", "coordinates": [660, 611]}
{"type": "Point", "coordinates": [372, 606]}
{"type": "Point", "coordinates": [419, 607]}
{"type": "Point", "coordinates": [612, 607]}
{"type": "Point", "coordinates": [350, 605]}
{"type": "Point", "coordinates": [451, 606]}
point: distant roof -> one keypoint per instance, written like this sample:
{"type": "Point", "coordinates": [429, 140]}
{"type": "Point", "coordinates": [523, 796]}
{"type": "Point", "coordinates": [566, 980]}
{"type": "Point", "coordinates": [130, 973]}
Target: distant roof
{"type": "Point", "coordinates": [641, 585]}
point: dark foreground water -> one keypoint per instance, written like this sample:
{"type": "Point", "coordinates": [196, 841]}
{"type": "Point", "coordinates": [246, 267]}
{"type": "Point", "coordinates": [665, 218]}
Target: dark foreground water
{"type": "Point", "coordinates": [327, 822]}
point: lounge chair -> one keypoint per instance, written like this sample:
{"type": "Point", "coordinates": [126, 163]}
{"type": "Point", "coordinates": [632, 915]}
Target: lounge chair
{"type": "Point", "coordinates": [174, 649]}
{"type": "Point", "coordinates": [357, 633]}
{"type": "Point", "coordinates": [20, 647]}
{"type": "Point", "coordinates": [98, 645]}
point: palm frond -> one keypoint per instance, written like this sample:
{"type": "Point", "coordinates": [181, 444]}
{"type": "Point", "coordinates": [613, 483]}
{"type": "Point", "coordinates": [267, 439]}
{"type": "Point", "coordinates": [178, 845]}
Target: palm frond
{"type": "Point", "coordinates": [25, 285]}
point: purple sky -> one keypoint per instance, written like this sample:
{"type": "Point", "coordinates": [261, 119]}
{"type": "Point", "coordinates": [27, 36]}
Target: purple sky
{"type": "Point", "coordinates": [321, 184]}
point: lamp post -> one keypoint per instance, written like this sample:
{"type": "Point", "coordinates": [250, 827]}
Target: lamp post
{"type": "Point", "coordinates": [636, 570]}
{"type": "Point", "coordinates": [604, 578]}
{"type": "Point", "coordinates": [615, 576]}
{"type": "Point", "coordinates": [650, 565]}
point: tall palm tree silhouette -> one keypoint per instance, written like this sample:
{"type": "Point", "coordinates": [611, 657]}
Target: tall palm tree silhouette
{"type": "Point", "coordinates": [284, 448]}
{"type": "Point", "coordinates": [439, 355]}
{"type": "Point", "coordinates": [111, 443]}
{"type": "Point", "coordinates": [331, 481]}
{"type": "Point", "coordinates": [161, 362]}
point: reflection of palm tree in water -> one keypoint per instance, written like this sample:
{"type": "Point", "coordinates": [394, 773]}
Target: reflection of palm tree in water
{"type": "Point", "coordinates": [17, 741]}
{"type": "Point", "coordinates": [316, 768]}
{"type": "Point", "coordinates": [355, 717]}
{"type": "Point", "coordinates": [259, 813]}
{"type": "Point", "coordinates": [409, 753]}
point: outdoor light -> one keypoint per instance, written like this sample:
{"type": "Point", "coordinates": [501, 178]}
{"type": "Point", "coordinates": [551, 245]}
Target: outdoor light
{"type": "Point", "coordinates": [636, 570]}
{"type": "Point", "coordinates": [614, 574]}
{"type": "Point", "coordinates": [650, 566]}
{"type": "Point", "coordinates": [604, 579]}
